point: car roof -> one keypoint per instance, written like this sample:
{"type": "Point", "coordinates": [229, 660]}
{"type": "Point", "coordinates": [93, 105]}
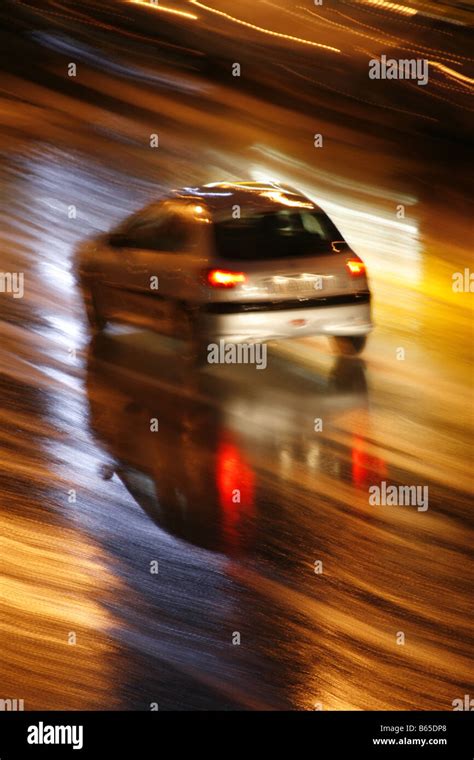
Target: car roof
{"type": "Point", "coordinates": [256, 196]}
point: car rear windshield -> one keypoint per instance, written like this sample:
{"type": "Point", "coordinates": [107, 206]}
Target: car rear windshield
{"type": "Point", "coordinates": [275, 235]}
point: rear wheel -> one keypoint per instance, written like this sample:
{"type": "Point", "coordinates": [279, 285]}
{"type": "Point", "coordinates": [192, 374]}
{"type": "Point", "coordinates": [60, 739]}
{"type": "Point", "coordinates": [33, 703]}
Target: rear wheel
{"type": "Point", "coordinates": [96, 319]}
{"type": "Point", "coordinates": [348, 376]}
{"type": "Point", "coordinates": [195, 349]}
{"type": "Point", "coordinates": [349, 345]}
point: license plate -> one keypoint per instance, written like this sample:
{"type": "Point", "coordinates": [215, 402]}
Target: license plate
{"type": "Point", "coordinates": [300, 285]}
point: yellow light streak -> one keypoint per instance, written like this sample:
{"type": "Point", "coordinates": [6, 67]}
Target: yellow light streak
{"type": "Point", "coordinates": [394, 7]}
{"type": "Point", "coordinates": [263, 29]}
{"type": "Point", "coordinates": [278, 197]}
{"type": "Point", "coordinates": [451, 73]}
{"type": "Point", "coordinates": [165, 9]}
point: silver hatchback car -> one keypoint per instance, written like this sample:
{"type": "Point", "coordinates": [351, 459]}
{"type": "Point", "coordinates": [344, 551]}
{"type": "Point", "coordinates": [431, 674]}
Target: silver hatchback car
{"type": "Point", "coordinates": [242, 262]}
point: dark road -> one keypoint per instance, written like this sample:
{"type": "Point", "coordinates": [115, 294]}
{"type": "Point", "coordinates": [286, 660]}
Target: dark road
{"type": "Point", "coordinates": [132, 575]}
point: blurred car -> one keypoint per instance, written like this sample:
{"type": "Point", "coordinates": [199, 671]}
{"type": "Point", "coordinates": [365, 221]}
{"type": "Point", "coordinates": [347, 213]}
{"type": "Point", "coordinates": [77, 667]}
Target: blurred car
{"type": "Point", "coordinates": [242, 262]}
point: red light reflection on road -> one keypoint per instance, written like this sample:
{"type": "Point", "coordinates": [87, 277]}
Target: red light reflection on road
{"type": "Point", "coordinates": [366, 468]}
{"type": "Point", "coordinates": [235, 480]}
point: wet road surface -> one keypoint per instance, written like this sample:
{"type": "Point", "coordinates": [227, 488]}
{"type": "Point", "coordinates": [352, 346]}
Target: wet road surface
{"type": "Point", "coordinates": [130, 569]}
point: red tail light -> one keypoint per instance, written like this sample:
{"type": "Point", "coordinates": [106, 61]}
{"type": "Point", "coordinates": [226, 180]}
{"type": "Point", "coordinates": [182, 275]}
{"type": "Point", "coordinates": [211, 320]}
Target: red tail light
{"type": "Point", "coordinates": [222, 278]}
{"type": "Point", "coordinates": [355, 267]}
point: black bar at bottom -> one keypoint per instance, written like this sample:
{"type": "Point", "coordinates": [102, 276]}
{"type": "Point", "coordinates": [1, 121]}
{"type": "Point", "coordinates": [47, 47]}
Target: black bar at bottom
{"type": "Point", "coordinates": [357, 734]}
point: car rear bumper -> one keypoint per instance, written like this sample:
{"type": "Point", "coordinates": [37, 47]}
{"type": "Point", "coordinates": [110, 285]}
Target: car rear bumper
{"type": "Point", "coordinates": [241, 323]}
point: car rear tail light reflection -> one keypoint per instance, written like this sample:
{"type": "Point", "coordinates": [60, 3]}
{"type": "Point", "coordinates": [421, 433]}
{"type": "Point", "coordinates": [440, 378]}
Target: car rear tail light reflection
{"type": "Point", "coordinates": [355, 267]}
{"type": "Point", "coordinates": [367, 469]}
{"type": "Point", "coordinates": [223, 278]}
{"type": "Point", "coordinates": [235, 480]}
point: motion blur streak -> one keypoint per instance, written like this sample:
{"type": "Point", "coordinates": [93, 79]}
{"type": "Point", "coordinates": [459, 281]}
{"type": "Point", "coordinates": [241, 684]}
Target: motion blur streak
{"type": "Point", "coordinates": [386, 39]}
{"type": "Point", "coordinates": [38, 616]}
{"type": "Point", "coordinates": [164, 9]}
{"type": "Point", "coordinates": [404, 9]}
{"type": "Point", "coordinates": [262, 29]}
{"type": "Point", "coordinates": [451, 73]}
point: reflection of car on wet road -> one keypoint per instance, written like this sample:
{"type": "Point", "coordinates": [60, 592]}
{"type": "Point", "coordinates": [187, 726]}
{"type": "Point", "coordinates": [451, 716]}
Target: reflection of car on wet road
{"type": "Point", "coordinates": [241, 261]}
{"type": "Point", "coordinates": [185, 477]}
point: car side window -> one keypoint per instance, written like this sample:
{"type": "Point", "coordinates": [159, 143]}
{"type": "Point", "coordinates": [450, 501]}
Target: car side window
{"type": "Point", "coordinates": [177, 233]}
{"type": "Point", "coordinates": [127, 234]}
{"type": "Point", "coordinates": [164, 230]}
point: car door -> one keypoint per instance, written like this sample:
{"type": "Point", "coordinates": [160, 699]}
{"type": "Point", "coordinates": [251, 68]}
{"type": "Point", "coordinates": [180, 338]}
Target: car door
{"type": "Point", "coordinates": [153, 266]}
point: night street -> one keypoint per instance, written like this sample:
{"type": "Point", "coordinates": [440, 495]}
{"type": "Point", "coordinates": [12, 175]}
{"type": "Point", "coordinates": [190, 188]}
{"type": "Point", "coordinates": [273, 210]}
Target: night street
{"type": "Point", "coordinates": [132, 579]}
